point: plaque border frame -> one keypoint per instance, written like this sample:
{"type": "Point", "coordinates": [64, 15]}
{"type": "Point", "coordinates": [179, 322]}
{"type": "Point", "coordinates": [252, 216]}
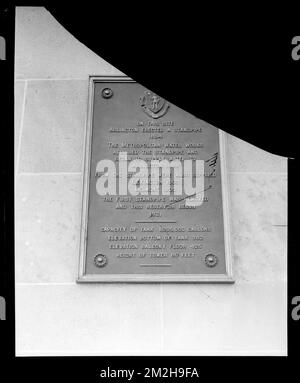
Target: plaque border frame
{"type": "Point", "coordinates": [146, 278]}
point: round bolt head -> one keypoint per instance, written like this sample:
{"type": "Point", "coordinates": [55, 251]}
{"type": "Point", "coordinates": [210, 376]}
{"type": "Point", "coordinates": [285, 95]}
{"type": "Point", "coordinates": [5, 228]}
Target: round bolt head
{"type": "Point", "coordinates": [100, 260]}
{"type": "Point", "coordinates": [107, 93]}
{"type": "Point", "coordinates": [211, 260]}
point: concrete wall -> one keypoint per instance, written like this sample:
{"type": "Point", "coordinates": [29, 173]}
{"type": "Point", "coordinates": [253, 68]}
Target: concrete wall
{"type": "Point", "coordinates": [56, 316]}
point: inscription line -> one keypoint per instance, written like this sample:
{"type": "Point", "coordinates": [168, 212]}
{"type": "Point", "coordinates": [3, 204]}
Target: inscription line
{"type": "Point", "coordinates": [155, 222]}
{"type": "Point", "coordinates": [151, 265]}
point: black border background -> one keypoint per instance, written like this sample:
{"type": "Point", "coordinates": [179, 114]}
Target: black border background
{"type": "Point", "coordinates": [246, 84]}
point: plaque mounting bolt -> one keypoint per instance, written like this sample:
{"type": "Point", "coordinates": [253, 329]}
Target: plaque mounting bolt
{"type": "Point", "coordinates": [107, 93]}
{"type": "Point", "coordinates": [211, 260]}
{"type": "Point", "coordinates": [100, 260]}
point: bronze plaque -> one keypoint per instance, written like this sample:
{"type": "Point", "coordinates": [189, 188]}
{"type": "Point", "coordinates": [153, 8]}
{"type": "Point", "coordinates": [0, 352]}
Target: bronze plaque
{"type": "Point", "coordinates": [155, 191]}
